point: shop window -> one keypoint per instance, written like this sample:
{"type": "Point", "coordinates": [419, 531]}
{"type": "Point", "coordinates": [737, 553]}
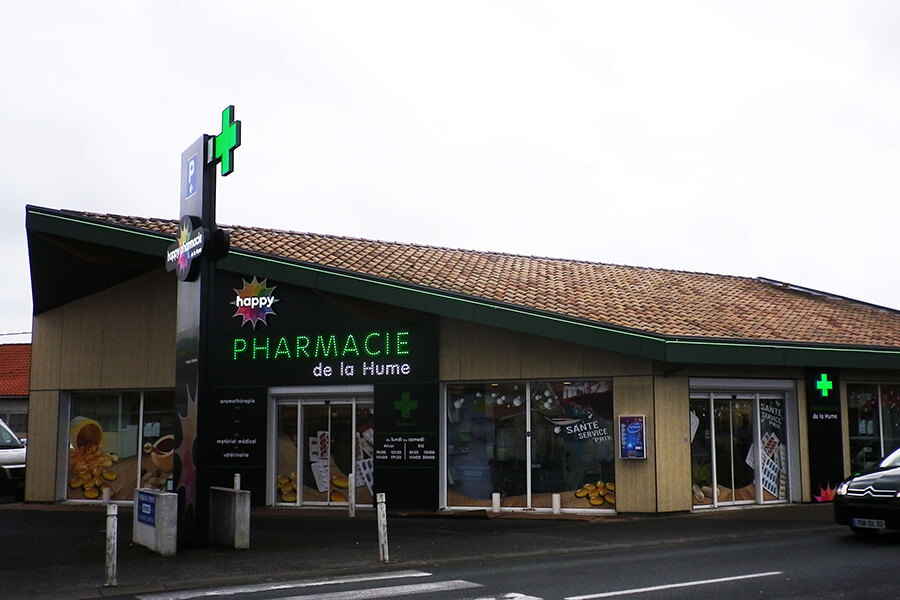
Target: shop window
{"type": "Point", "coordinates": [486, 451]}
{"type": "Point", "coordinates": [573, 448]}
{"type": "Point", "coordinates": [157, 441]}
{"type": "Point", "coordinates": [864, 422]}
{"type": "Point", "coordinates": [570, 449]}
{"type": "Point", "coordinates": [890, 417]}
{"type": "Point", "coordinates": [873, 415]}
{"type": "Point", "coordinates": [119, 441]}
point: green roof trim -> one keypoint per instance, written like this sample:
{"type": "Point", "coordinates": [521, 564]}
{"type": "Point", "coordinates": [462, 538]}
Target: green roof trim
{"type": "Point", "coordinates": [96, 232]}
{"type": "Point", "coordinates": [478, 310]}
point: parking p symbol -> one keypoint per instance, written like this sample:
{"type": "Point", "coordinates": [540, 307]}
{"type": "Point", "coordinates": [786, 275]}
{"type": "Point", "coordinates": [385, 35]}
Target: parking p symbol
{"type": "Point", "coordinates": [190, 186]}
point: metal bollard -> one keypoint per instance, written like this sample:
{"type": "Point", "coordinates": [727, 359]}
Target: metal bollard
{"type": "Point", "coordinates": [237, 481]}
{"type": "Point", "coordinates": [382, 528]}
{"type": "Point", "coordinates": [351, 494]}
{"type": "Point", "coordinates": [112, 535]}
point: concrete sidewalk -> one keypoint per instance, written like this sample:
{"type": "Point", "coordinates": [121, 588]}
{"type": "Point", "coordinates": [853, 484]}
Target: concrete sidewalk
{"type": "Point", "coordinates": [58, 551]}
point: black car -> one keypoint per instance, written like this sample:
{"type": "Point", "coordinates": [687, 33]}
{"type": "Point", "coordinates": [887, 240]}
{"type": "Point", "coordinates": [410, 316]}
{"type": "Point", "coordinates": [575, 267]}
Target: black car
{"type": "Point", "coordinates": [870, 501]}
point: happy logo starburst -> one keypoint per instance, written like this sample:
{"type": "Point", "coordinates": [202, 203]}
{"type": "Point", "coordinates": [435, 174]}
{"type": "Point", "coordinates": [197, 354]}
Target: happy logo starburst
{"type": "Point", "coordinates": [254, 302]}
{"type": "Point", "coordinates": [183, 236]}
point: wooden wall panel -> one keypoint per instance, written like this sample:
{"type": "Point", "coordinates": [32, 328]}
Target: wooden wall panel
{"type": "Point", "coordinates": [46, 340]}
{"type": "Point", "coordinates": [81, 347]}
{"type": "Point", "coordinates": [545, 358]}
{"type": "Point", "coordinates": [478, 352]}
{"type": "Point", "coordinates": [487, 353]}
{"type": "Point", "coordinates": [162, 294]}
{"type": "Point", "coordinates": [636, 479]}
{"type": "Point", "coordinates": [43, 429]}
{"type": "Point", "coordinates": [604, 363]}
{"type": "Point", "coordinates": [673, 448]}
{"type": "Point", "coordinates": [126, 335]}
{"type": "Point", "coordinates": [450, 349]}
{"type": "Point", "coordinates": [120, 338]}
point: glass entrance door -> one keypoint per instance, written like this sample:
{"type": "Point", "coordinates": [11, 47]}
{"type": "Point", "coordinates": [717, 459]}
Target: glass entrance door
{"type": "Point", "coordinates": [738, 449]}
{"type": "Point", "coordinates": [735, 477]}
{"type": "Point", "coordinates": [330, 461]}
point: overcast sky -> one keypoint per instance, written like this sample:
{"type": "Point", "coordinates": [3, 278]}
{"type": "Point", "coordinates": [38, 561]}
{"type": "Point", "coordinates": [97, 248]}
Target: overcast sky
{"type": "Point", "coordinates": [754, 139]}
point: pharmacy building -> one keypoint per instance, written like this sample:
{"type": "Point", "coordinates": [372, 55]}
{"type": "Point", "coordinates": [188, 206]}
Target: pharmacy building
{"type": "Point", "coordinates": [449, 380]}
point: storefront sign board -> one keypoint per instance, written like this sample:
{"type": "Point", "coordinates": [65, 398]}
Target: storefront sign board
{"type": "Point", "coordinates": [278, 334]}
{"type": "Point", "coordinates": [407, 443]}
{"type": "Point", "coordinates": [823, 420]}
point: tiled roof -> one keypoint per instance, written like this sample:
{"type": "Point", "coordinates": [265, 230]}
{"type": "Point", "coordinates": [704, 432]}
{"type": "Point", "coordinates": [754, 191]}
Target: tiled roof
{"type": "Point", "coordinates": [665, 302]}
{"type": "Point", "coordinates": [15, 369]}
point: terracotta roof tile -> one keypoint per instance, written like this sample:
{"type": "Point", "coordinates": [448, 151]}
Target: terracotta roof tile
{"type": "Point", "coordinates": [665, 302]}
{"type": "Point", "coordinates": [15, 369]}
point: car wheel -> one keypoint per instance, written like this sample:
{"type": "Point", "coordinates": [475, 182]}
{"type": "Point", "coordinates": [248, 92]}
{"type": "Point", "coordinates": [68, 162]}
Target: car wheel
{"type": "Point", "coordinates": [864, 531]}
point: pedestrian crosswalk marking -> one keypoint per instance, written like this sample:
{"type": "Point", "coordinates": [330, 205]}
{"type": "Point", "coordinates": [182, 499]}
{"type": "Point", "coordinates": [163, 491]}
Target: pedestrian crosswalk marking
{"type": "Point", "coordinates": [511, 596]}
{"type": "Point", "coordinates": [371, 593]}
{"type": "Point", "coordinates": [284, 585]}
{"type": "Point", "coordinates": [390, 591]}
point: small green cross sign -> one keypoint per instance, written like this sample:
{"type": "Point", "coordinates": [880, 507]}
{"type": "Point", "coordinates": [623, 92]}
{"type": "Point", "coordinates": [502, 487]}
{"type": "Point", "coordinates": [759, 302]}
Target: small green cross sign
{"type": "Point", "coordinates": [228, 140]}
{"type": "Point", "coordinates": [405, 405]}
{"type": "Point", "coordinates": [823, 385]}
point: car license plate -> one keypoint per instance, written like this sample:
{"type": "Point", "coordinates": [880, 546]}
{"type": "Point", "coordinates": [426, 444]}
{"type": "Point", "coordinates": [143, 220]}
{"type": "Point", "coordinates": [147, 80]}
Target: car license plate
{"type": "Point", "coordinates": [868, 523]}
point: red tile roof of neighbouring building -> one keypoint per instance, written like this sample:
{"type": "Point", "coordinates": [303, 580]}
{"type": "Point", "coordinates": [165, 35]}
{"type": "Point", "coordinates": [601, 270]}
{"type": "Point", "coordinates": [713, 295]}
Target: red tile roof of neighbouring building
{"type": "Point", "coordinates": [15, 369]}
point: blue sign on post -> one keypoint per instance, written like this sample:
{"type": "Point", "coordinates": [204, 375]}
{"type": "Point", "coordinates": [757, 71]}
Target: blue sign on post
{"type": "Point", "coordinates": [146, 508]}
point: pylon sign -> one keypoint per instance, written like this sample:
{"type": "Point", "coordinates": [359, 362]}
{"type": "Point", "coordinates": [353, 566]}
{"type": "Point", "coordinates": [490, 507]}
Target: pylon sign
{"type": "Point", "coordinates": [199, 244]}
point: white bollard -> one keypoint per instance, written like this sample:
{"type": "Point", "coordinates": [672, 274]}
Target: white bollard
{"type": "Point", "coordinates": [556, 504]}
{"type": "Point", "coordinates": [495, 502]}
{"type": "Point", "coordinates": [237, 481]}
{"type": "Point", "coordinates": [112, 534]}
{"type": "Point", "coordinates": [382, 528]}
{"type": "Point", "coordinates": [351, 494]}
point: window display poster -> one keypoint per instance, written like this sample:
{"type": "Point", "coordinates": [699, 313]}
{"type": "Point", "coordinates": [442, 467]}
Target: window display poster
{"type": "Point", "coordinates": [632, 442]}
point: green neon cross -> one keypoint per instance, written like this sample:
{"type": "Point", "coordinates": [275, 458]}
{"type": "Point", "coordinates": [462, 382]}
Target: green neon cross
{"type": "Point", "coordinates": [228, 140]}
{"type": "Point", "coordinates": [823, 385]}
{"type": "Point", "coordinates": [405, 405]}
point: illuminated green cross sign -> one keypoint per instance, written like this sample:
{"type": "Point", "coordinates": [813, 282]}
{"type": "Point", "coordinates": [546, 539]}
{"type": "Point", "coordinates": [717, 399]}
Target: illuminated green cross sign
{"type": "Point", "coordinates": [823, 385]}
{"type": "Point", "coordinates": [228, 140]}
{"type": "Point", "coordinates": [405, 405]}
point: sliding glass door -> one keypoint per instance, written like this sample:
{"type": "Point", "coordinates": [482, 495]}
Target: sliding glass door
{"type": "Point", "coordinates": [738, 449]}
{"type": "Point", "coordinates": [330, 461]}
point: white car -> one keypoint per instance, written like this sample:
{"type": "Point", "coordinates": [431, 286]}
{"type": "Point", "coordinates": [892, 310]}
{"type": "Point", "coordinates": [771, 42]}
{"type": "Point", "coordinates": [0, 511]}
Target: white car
{"type": "Point", "coordinates": [12, 463]}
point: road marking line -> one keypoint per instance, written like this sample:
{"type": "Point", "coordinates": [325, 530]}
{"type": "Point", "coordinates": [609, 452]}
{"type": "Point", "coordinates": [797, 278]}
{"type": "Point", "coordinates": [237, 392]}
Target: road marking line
{"type": "Point", "coordinates": [510, 596]}
{"type": "Point", "coordinates": [267, 587]}
{"type": "Point", "coordinates": [670, 586]}
{"type": "Point", "coordinates": [394, 590]}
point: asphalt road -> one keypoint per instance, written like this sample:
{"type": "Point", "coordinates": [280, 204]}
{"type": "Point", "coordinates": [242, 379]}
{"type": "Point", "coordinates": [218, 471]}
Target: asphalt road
{"type": "Point", "coordinates": [822, 564]}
